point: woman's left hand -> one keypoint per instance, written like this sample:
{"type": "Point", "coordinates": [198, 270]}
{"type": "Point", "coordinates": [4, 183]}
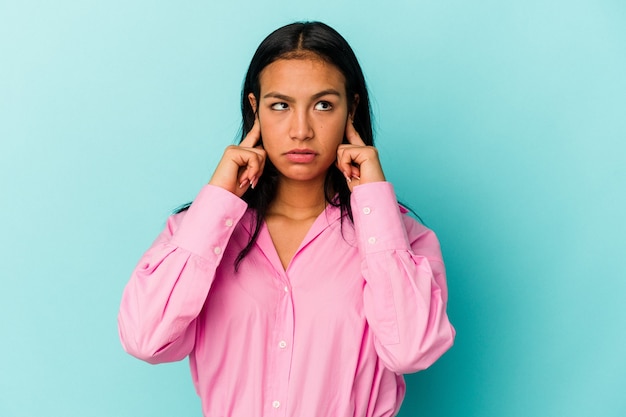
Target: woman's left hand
{"type": "Point", "coordinates": [358, 162]}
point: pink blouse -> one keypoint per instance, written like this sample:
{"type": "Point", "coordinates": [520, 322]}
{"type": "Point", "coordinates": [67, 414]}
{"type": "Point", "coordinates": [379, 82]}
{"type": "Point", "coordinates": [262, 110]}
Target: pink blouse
{"type": "Point", "coordinates": [358, 306]}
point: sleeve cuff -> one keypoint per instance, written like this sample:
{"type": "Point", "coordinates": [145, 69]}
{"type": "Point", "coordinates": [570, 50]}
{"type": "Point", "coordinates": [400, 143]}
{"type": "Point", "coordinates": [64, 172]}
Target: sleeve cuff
{"type": "Point", "coordinates": [209, 222]}
{"type": "Point", "coordinates": [378, 219]}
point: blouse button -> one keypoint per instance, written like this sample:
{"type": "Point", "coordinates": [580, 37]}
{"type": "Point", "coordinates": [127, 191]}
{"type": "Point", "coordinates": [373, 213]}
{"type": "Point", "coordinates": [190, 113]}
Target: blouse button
{"type": "Point", "coordinates": [286, 288]}
{"type": "Point", "coordinates": [367, 210]}
{"type": "Point", "coordinates": [217, 250]}
{"type": "Point", "coordinates": [276, 404]}
{"type": "Point", "coordinates": [371, 240]}
{"type": "Point", "coordinates": [282, 344]}
{"type": "Point", "coordinates": [228, 222]}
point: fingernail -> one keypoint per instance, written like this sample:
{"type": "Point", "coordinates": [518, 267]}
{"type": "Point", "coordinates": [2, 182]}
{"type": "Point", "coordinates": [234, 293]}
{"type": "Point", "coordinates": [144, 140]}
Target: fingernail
{"type": "Point", "coordinates": [243, 183]}
{"type": "Point", "coordinates": [347, 178]}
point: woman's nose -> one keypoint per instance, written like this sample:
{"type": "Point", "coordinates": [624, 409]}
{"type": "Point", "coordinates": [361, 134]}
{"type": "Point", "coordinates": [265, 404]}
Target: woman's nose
{"type": "Point", "coordinates": [300, 128]}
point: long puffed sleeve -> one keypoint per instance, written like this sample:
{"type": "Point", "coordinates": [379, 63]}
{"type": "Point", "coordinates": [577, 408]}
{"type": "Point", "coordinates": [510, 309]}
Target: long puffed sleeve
{"type": "Point", "coordinates": [405, 292]}
{"type": "Point", "coordinates": [168, 288]}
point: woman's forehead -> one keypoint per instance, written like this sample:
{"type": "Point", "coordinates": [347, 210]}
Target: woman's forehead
{"type": "Point", "coordinates": [301, 74]}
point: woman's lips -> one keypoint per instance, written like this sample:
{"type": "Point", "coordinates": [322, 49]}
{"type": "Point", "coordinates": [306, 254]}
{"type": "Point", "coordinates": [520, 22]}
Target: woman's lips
{"type": "Point", "coordinates": [300, 156]}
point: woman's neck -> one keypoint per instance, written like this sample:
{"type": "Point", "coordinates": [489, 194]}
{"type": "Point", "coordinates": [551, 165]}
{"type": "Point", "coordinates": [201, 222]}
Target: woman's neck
{"type": "Point", "coordinates": [298, 200]}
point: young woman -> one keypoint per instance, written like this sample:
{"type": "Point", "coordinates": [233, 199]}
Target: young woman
{"type": "Point", "coordinates": [294, 282]}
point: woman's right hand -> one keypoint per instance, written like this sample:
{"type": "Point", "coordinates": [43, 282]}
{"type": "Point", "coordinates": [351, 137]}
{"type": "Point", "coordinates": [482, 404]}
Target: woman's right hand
{"type": "Point", "coordinates": [241, 166]}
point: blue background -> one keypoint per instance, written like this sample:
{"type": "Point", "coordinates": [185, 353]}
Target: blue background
{"type": "Point", "coordinates": [502, 123]}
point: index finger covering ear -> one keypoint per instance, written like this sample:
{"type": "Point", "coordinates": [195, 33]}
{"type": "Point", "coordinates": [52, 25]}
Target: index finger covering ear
{"type": "Point", "coordinates": [253, 136]}
{"type": "Point", "coordinates": [352, 135]}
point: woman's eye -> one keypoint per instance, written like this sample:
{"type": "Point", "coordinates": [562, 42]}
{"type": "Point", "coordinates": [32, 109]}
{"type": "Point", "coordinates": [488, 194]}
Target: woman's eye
{"type": "Point", "coordinates": [323, 105]}
{"type": "Point", "coordinates": [279, 106]}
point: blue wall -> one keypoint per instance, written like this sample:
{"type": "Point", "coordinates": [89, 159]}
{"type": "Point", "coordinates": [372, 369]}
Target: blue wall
{"type": "Point", "coordinates": [502, 123]}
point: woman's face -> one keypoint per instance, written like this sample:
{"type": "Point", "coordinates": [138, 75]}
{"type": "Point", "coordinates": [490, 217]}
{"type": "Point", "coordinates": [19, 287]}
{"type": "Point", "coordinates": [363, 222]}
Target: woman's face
{"type": "Point", "coordinates": [302, 110]}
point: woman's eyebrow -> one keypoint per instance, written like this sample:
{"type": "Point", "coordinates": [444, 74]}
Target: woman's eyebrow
{"type": "Point", "coordinates": [273, 94]}
{"type": "Point", "coordinates": [330, 91]}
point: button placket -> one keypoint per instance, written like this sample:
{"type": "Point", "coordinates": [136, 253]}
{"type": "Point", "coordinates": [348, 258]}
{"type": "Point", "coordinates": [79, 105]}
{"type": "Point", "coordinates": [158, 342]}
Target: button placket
{"type": "Point", "coordinates": [282, 345]}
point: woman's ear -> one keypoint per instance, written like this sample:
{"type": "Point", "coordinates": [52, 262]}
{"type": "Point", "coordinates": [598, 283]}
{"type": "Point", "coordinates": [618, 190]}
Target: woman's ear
{"type": "Point", "coordinates": [353, 106]}
{"type": "Point", "coordinates": [253, 102]}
